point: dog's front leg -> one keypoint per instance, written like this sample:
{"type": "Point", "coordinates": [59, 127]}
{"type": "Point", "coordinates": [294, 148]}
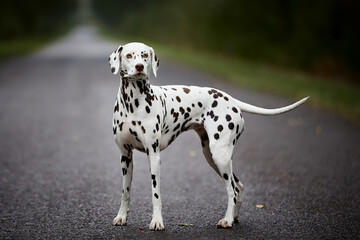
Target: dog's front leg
{"type": "Point", "coordinates": [127, 170]}
{"type": "Point", "coordinates": [157, 220]}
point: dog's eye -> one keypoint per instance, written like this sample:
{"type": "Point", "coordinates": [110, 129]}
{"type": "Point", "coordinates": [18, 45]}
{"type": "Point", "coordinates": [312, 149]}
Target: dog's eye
{"type": "Point", "coordinates": [128, 56]}
{"type": "Point", "coordinates": [145, 55]}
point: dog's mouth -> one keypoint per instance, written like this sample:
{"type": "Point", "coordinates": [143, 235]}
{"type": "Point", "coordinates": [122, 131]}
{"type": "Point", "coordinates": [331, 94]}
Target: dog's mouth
{"type": "Point", "coordinates": [139, 74]}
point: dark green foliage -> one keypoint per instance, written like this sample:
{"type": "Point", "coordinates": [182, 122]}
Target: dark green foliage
{"type": "Point", "coordinates": [321, 36]}
{"type": "Point", "coordinates": [22, 18]}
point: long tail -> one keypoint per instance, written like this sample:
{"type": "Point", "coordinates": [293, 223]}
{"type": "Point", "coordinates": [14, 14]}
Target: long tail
{"type": "Point", "coordinates": [245, 107]}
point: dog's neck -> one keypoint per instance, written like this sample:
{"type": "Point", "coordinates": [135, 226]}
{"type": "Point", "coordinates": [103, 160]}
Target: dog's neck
{"type": "Point", "coordinates": [133, 92]}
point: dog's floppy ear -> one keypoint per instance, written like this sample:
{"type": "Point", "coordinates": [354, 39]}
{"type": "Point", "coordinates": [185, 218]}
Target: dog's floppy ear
{"type": "Point", "coordinates": [115, 59]}
{"type": "Point", "coordinates": [154, 61]}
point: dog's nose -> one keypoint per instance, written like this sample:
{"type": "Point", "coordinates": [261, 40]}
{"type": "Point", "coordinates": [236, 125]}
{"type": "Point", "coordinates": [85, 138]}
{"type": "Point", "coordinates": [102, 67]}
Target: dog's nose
{"type": "Point", "coordinates": [139, 67]}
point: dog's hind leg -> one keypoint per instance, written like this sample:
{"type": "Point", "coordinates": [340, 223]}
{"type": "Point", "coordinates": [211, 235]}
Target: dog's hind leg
{"type": "Point", "coordinates": [206, 149]}
{"type": "Point", "coordinates": [229, 177]}
{"type": "Point", "coordinates": [221, 148]}
{"type": "Point", "coordinates": [239, 189]}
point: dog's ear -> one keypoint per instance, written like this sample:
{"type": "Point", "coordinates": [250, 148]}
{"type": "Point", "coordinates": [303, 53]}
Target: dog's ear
{"type": "Point", "coordinates": [115, 60]}
{"type": "Point", "coordinates": [154, 61]}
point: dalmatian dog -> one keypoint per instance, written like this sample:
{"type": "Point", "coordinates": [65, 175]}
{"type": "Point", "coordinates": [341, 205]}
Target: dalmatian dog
{"type": "Point", "coordinates": [148, 118]}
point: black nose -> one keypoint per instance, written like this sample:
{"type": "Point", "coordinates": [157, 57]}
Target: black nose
{"type": "Point", "coordinates": [139, 67]}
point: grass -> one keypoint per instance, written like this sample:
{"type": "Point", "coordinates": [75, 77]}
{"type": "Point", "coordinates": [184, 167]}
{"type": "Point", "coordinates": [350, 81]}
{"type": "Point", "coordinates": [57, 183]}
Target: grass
{"type": "Point", "coordinates": [18, 47]}
{"type": "Point", "coordinates": [22, 46]}
{"type": "Point", "coordinates": [341, 98]}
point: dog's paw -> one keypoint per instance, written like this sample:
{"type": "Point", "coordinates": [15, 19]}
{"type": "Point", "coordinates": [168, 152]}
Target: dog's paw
{"type": "Point", "coordinates": [119, 221]}
{"type": "Point", "coordinates": [156, 225]}
{"type": "Point", "coordinates": [224, 224]}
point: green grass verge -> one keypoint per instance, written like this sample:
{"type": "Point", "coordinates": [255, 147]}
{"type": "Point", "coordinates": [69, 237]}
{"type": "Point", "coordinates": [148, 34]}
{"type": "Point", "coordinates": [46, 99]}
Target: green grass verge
{"type": "Point", "coordinates": [18, 47]}
{"type": "Point", "coordinates": [22, 46]}
{"type": "Point", "coordinates": [340, 98]}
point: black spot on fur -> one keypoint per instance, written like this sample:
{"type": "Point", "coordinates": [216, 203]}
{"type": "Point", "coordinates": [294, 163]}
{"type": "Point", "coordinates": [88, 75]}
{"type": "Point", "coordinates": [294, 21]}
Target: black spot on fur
{"type": "Point", "coordinates": [236, 179]}
{"type": "Point", "coordinates": [226, 98]}
{"type": "Point", "coordinates": [116, 108]}
{"type": "Point", "coordinates": [114, 130]}
{"type": "Point", "coordinates": [124, 170]}
{"type": "Point", "coordinates": [228, 117]}
{"type": "Point", "coordinates": [176, 115]}
{"type": "Point", "coordinates": [136, 103]}
{"type": "Point", "coordinates": [149, 98]}
{"type": "Point", "coordinates": [212, 114]}
{"type": "Point", "coordinates": [215, 103]}
{"type": "Point", "coordinates": [231, 126]}
{"type": "Point", "coordinates": [182, 110]}
{"type": "Point", "coordinates": [155, 145]}
{"type": "Point", "coordinates": [200, 104]}
{"type": "Point", "coordinates": [186, 90]}
{"type": "Point", "coordinates": [216, 136]}
{"type": "Point", "coordinates": [177, 127]}
{"type": "Point", "coordinates": [127, 160]}
{"type": "Point", "coordinates": [178, 98]}
{"type": "Point", "coordinates": [155, 195]}
{"type": "Point", "coordinates": [235, 200]}
{"type": "Point", "coordinates": [226, 177]}
{"type": "Point", "coordinates": [220, 128]}
{"type": "Point", "coordinates": [147, 109]}
{"type": "Point", "coordinates": [235, 110]}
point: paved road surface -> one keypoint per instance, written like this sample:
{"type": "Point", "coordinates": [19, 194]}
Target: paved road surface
{"type": "Point", "coordinates": [60, 173]}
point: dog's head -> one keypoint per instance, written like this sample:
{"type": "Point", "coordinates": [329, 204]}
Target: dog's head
{"type": "Point", "coordinates": [134, 60]}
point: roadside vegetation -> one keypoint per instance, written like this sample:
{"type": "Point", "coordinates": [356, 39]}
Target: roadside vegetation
{"type": "Point", "coordinates": [28, 25]}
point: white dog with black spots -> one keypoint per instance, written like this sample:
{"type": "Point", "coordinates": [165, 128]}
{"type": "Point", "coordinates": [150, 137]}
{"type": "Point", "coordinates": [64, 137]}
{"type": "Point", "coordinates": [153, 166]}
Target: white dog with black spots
{"type": "Point", "coordinates": [149, 118]}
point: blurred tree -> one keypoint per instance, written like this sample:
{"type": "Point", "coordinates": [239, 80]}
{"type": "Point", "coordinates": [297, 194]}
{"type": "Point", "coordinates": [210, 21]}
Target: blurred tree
{"type": "Point", "coordinates": [321, 36]}
{"type": "Point", "coordinates": [31, 18]}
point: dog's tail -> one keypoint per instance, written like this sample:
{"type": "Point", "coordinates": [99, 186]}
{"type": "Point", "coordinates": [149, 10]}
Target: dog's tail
{"type": "Point", "coordinates": [245, 107]}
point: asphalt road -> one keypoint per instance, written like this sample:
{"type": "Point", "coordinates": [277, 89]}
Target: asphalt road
{"type": "Point", "coordinates": [60, 174]}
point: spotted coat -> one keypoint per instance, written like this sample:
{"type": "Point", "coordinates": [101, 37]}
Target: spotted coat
{"type": "Point", "coordinates": [149, 118]}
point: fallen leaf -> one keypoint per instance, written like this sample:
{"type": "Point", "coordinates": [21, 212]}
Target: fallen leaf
{"type": "Point", "coordinates": [294, 122]}
{"type": "Point", "coordinates": [192, 153]}
{"type": "Point", "coordinates": [260, 206]}
{"type": "Point", "coordinates": [318, 130]}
